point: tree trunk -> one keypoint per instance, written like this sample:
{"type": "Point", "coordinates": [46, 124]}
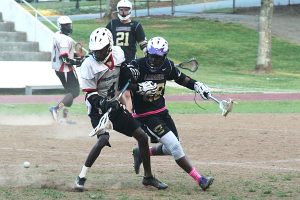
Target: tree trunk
{"type": "Point", "coordinates": [111, 9]}
{"type": "Point", "coordinates": [264, 54]}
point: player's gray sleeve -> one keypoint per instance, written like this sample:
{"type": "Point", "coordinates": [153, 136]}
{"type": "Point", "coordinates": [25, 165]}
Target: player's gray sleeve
{"type": "Point", "coordinates": [88, 84]}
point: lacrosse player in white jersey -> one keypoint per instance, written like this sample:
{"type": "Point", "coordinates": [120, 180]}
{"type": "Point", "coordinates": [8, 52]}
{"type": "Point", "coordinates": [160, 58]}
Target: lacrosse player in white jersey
{"type": "Point", "coordinates": [100, 80]}
{"type": "Point", "coordinates": [63, 63]}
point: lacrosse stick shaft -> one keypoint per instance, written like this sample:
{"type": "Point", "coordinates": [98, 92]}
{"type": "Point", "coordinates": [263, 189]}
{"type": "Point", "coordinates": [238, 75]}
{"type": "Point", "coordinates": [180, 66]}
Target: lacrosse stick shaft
{"type": "Point", "coordinates": [123, 90]}
{"type": "Point", "coordinates": [214, 98]}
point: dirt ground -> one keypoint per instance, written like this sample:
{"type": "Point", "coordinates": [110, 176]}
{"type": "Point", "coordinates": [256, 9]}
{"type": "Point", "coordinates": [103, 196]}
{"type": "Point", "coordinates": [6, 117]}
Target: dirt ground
{"type": "Point", "coordinates": [251, 156]}
{"type": "Point", "coordinates": [285, 22]}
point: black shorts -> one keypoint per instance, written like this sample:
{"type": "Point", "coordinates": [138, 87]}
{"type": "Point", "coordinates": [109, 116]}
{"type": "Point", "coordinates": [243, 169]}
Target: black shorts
{"type": "Point", "coordinates": [70, 82]}
{"type": "Point", "coordinates": [122, 121]}
{"type": "Point", "coordinates": [157, 125]}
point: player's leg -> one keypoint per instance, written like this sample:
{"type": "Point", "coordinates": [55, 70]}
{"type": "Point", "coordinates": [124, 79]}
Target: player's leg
{"type": "Point", "coordinates": [124, 123]}
{"type": "Point", "coordinates": [126, 100]}
{"type": "Point", "coordinates": [103, 140]}
{"type": "Point", "coordinates": [70, 82]}
{"type": "Point", "coordinates": [170, 145]}
{"type": "Point", "coordinates": [72, 88]}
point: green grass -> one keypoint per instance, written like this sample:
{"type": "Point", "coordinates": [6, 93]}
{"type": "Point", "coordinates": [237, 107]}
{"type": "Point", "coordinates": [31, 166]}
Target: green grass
{"type": "Point", "coordinates": [226, 52]}
{"type": "Point", "coordinates": [208, 107]}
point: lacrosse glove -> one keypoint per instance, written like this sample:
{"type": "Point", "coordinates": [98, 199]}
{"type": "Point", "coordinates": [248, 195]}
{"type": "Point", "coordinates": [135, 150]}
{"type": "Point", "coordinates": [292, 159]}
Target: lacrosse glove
{"type": "Point", "coordinates": [147, 89]}
{"type": "Point", "coordinates": [105, 104]}
{"type": "Point", "coordinates": [130, 73]}
{"type": "Point", "coordinates": [202, 89]}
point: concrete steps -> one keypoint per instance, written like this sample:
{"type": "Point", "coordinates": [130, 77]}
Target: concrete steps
{"type": "Point", "coordinates": [15, 47]}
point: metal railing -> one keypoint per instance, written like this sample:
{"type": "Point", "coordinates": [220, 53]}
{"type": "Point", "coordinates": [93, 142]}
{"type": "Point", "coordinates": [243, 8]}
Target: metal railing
{"type": "Point", "coordinates": [37, 14]}
{"type": "Point", "coordinates": [148, 2]}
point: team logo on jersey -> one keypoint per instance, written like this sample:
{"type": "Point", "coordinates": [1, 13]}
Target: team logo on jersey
{"type": "Point", "coordinates": [159, 129]}
{"type": "Point", "coordinates": [154, 77]}
{"type": "Point", "coordinates": [123, 29]}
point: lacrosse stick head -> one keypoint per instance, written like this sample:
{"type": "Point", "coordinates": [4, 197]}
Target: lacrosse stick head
{"type": "Point", "coordinates": [191, 65]}
{"type": "Point", "coordinates": [226, 106]}
{"type": "Point", "coordinates": [79, 50]}
{"type": "Point", "coordinates": [103, 123]}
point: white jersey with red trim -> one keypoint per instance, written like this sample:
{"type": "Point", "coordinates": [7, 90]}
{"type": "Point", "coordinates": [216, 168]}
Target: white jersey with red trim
{"type": "Point", "coordinates": [96, 76]}
{"type": "Point", "coordinates": [62, 44]}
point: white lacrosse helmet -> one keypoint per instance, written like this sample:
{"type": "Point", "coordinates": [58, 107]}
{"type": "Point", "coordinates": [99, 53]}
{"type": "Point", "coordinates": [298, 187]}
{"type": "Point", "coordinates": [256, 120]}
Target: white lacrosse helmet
{"type": "Point", "coordinates": [157, 50]}
{"type": "Point", "coordinates": [124, 4]}
{"type": "Point", "coordinates": [101, 42]}
{"type": "Point", "coordinates": [64, 23]}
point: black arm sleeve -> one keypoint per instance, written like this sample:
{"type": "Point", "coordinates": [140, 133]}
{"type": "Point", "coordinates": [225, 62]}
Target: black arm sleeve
{"type": "Point", "coordinates": [184, 80]}
{"type": "Point", "coordinates": [69, 61]}
{"type": "Point", "coordinates": [94, 100]}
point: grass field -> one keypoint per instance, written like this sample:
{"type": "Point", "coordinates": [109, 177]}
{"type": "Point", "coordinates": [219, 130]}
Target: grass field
{"type": "Point", "coordinates": [209, 107]}
{"type": "Point", "coordinates": [226, 52]}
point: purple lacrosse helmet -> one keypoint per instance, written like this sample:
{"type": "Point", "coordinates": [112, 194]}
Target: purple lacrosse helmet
{"type": "Point", "coordinates": [157, 50]}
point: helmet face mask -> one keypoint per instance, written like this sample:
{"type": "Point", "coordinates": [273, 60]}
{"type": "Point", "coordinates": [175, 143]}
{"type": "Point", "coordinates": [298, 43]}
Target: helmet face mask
{"type": "Point", "coordinates": [64, 24]}
{"type": "Point", "coordinates": [157, 50]}
{"type": "Point", "coordinates": [102, 54]}
{"type": "Point", "coordinates": [100, 44]}
{"type": "Point", "coordinates": [156, 61]}
{"type": "Point", "coordinates": [124, 8]}
{"type": "Point", "coordinates": [66, 29]}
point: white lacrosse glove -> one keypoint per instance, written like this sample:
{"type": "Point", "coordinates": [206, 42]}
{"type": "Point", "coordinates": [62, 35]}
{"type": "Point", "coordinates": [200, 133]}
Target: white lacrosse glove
{"type": "Point", "coordinates": [147, 89]}
{"type": "Point", "coordinates": [135, 74]}
{"type": "Point", "coordinates": [202, 89]}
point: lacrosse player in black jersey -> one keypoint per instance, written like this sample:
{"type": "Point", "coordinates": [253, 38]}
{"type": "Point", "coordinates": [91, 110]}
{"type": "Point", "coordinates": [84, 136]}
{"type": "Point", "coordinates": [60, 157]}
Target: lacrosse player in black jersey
{"type": "Point", "coordinates": [100, 80]}
{"type": "Point", "coordinates": [149, 107]}
{"type": "Point", "coordinates": [127, 34]}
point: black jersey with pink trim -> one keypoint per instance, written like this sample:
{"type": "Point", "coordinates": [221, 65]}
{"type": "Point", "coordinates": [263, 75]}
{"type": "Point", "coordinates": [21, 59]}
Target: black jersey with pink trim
{"type": "Point", "coordinates": [145, 106]}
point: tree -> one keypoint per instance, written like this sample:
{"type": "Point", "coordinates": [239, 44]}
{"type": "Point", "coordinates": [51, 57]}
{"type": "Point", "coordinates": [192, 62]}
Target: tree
{"type": "Point", "coordinates": [264, 54]}
{"type": "Point", "coordinates": [111, 9]}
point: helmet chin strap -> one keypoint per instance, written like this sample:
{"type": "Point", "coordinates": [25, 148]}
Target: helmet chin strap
{"type": "Point", "coordinates": [123, 18]}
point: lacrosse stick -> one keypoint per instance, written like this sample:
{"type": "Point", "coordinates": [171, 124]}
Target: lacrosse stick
{"type": "Point", "coordinates": [225, 106]}
{"type": "Point", "coordinates": [79, 50]}
{"type": "Point", "coordinates": [190, 65]}
{"type": "Point", "coordinates": [104, 120]}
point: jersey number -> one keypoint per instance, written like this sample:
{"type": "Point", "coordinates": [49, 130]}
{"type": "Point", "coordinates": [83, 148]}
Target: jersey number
{"type": "Point", "coordinates": [159, 92]}
{"type": "Point", "coordinates": [122, 39]}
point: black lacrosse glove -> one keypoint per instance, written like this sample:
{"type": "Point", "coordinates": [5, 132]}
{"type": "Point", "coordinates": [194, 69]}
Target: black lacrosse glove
{"type": "Point", "coordinates": [130, 73]}
{"type": "Point", "coordinates": [105, 104]}
{"type": "Point", "coordinates": [78, 61]}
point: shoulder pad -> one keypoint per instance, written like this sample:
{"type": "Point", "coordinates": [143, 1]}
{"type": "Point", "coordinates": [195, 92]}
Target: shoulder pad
{"type": "Point", "coordinates": [118, 55]}
{"type": "Point", "coordinates": [90, 67]}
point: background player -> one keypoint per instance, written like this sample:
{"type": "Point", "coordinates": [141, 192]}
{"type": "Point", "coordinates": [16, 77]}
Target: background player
{"type": "Point", "coordinates": [63, 63]}
{"type": "Point", "coordinates": [150, 109]}
{"type": "Point", "coordinates": [100, 77]}
{"type": "Point", "coordinates": [127, 34]}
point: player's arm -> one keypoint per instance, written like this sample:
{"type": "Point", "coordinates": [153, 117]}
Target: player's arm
{"type": "Point", "coordinates": [65, 59]}
{"type": "Point", "coordinates": [141, 38]}
{"type": "Point", "coordinates": [188, 82]}
{"type": "Point", "coordinates": [109, 25]}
